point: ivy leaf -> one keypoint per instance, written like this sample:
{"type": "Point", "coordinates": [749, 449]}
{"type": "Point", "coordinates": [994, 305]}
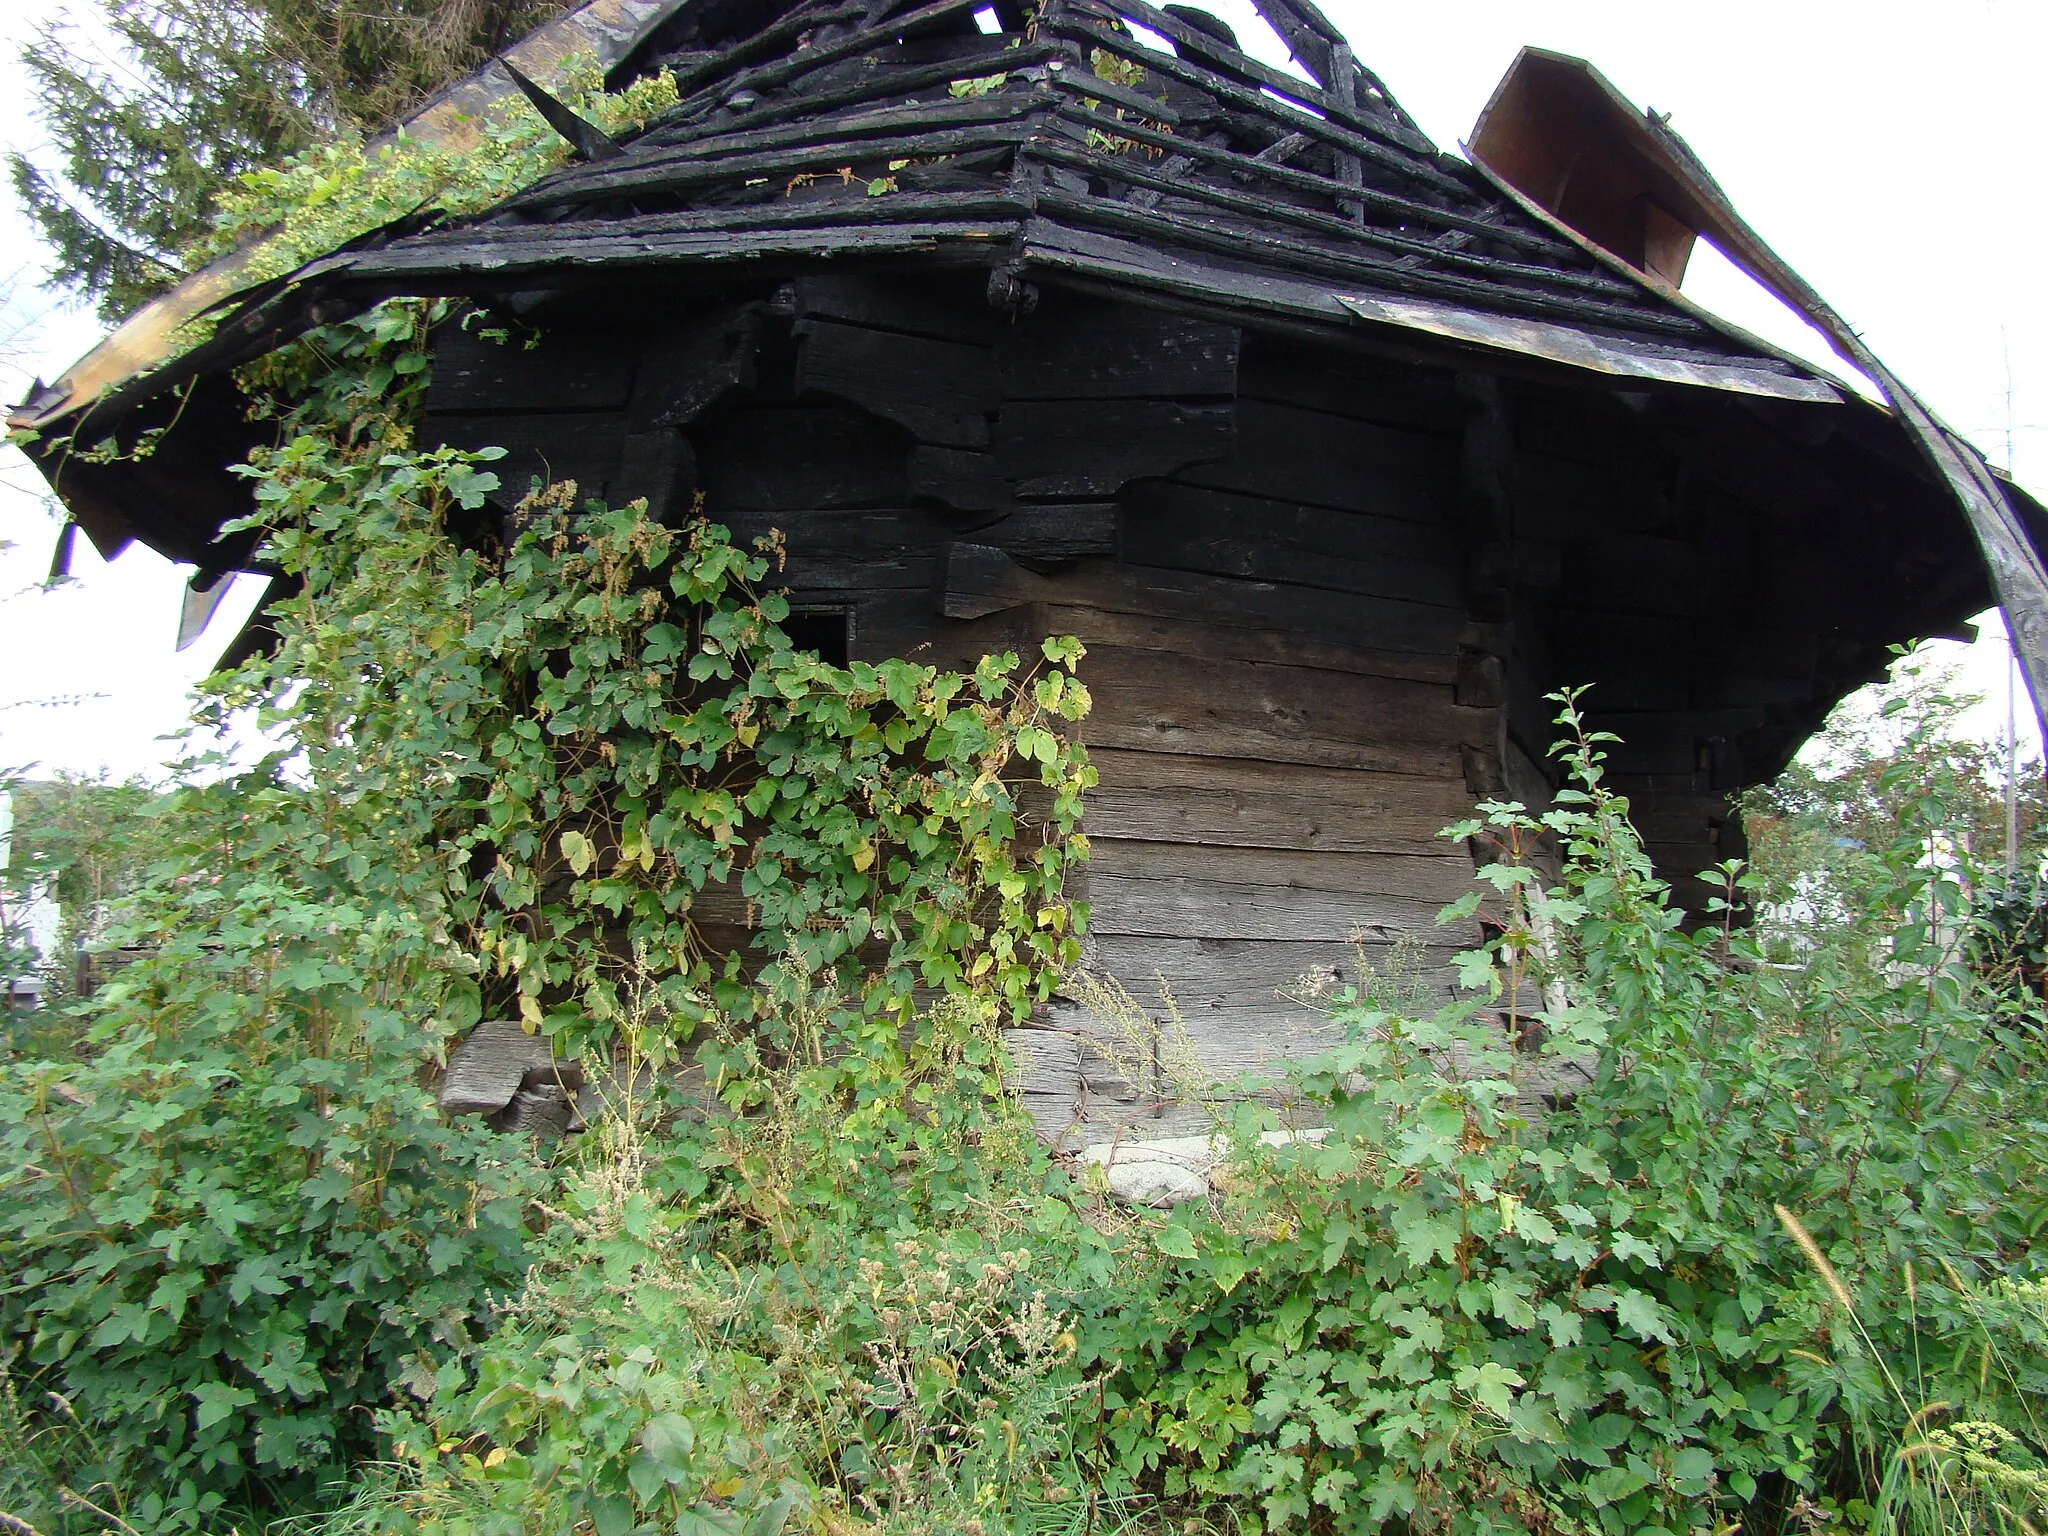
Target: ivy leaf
{"type": "Point", "coordinates": [577, 849]}
{"type": "Point", "coordinates": [1175, 1240]}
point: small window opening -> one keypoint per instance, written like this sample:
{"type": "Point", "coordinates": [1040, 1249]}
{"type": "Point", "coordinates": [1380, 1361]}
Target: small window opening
{"type": "Point", "coordinates": [827, 631]}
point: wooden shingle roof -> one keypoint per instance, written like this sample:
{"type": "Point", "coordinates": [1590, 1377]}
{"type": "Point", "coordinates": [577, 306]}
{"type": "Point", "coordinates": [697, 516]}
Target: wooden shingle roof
{"type": "Point", "coordinates": [1100, 142]}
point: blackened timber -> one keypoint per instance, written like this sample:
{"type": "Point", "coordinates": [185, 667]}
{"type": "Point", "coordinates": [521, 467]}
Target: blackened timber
{"type": "Point", "coordinates": [1318, 261]}
{"type": "Point", "coordinates": [910, 305]}
{"type": "Point", "coordinates": [994, 202]}
{"type": "Point", "coordinates": [1122, 169]}
{"type": "Point", "coordinates": [786, 28]}
{"type": "Point", "coordinates": [941, 391]}
{"type": "Point", "coordinates": [1117, 351]}
{"type": "Point", "coordinates": [1110, 267]}
{"type": "Point", "coordinates": [1300, 91]}
{"type": "Point", "coordinates": [1294, 119]}
{"type": "Point", "coordinates": [954, 477]}
{"type": "Point", "coordinates": [882, 82]}
{"type": "Point", "coordinates": [1090, 87]}
{"type": "Point", "coordinates": [924, 117]}
{"type": "Point", "coordinates": [818, 158]}
{"type": "Point", "coordinates": [765, 77]}
{"type": "Point", "coordinates": [1051, 533]}
{"type": "Point", "coordinates": [1269, 165]}
{"type": "Point", "coordinates": [457, 269]}
{"type": "Point", "coordinates": [1049, 448]}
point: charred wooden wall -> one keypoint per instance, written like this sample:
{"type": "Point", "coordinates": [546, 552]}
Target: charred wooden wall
{"type": "Point", "coordinates": [1323, 594]}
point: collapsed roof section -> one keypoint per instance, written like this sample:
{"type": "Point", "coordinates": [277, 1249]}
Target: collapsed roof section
{"type": "Point", "coordinates": [1096, 144]}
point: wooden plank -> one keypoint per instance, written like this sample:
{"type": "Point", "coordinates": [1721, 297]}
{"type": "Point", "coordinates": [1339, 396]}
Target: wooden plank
{"type": "Point", "coordinates": [1247, 804]}
{"type": "Point", "coordinates": [1076, 348]}
{"type": "Point", "coordinates": [1362, 388]}
{"type": "Point", "coordinates": [1643, 573]}
{"type": "Point", "coordinates": [947, 309]}
{"type": "Point", "coordinates": [1233, 994]}
{"type": "Point", "coordinates": [1370, 623]}
{"type": "Point", "coordinates": [1162, 702]}
{"type": "Point", "coordinates": [850, 533]}
{"type": "Point", "coordinates": [1160, 890]}
{"type": "Point", "coordinates": [977, 580]}
{"type": "Point", "coordinates": [1049, 448]}
{"type": "Point", "coordinates": [1316, 459]}
{"type": "Point", "coordinates": [940, 391]}
{"type": "Point", "coordinates": [1201, 615]}
{"type": "Point", "coordinates": [543, 446]}
{"type": "Point", "coordinates": [1406, 166]}
{"type": "Point", "coordinates": [958, 478]}
{"type": "Point", "coordinates": [568, 369]}
{"type": "Point", "coordinates": [1191, 529]}
{"type": "Point", "coordinates": [777, 457]}
{"type": "Point", "coordinates": [873, 77]}
{"type": "Point", "coordinates": [1051, 533]}
{"type": "Point", "coordinates": [1229, 642]}
{"type": "Point", "coordinates": [685, 368]}
{"type": "Point", "coordinates": [812, 157]}
{"type": "Point", "coordinates": [1434, 876]}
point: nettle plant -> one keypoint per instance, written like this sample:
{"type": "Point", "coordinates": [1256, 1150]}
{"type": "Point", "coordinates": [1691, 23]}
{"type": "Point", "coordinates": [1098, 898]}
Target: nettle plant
{"type": "Point", "coordinates": [507, 777]}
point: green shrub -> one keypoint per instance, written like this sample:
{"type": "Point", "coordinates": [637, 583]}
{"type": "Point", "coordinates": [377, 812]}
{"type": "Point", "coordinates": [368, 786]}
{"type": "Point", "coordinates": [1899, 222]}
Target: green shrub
{"type": "Point", "coordinates": [1455, 1314]}
{"type": "Point", "coordinates": [503, 783]}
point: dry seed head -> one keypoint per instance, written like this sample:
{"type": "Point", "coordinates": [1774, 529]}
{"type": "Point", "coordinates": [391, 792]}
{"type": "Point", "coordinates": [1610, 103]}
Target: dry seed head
{"type": "Point", "coordinates": [1816, 1258]}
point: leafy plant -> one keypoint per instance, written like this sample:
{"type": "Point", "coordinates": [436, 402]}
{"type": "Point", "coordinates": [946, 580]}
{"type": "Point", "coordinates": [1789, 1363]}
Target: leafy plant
{"type": "Point", "coordinates": [1458, 1312]}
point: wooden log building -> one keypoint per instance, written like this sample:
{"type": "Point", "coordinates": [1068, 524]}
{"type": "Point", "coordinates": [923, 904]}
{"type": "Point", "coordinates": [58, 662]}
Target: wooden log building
{"type": "Point", "coordinates": [1338, 452]}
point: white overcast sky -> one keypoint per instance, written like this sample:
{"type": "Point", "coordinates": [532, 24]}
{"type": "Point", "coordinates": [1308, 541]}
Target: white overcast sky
{"type": "Point", "coordinates": [1892, 152]}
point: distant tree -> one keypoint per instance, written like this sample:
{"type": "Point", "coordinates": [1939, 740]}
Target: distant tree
{"type": "Point", "coordinates": [1826, 835]}
{"type": "Point", "coordinates": [153, 105]}
{"type": "Point", "coordinates": [86, 844]}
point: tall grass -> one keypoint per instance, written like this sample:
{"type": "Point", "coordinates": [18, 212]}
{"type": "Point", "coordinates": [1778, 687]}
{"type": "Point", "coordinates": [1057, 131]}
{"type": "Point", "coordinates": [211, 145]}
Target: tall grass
{"type": "Point", "coordinates": [1955, 1463]}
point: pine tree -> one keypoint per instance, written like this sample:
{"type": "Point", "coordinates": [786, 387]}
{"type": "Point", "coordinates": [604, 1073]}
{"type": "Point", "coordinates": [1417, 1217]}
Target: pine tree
{"type": "Point", "coordinates": [153, 105]}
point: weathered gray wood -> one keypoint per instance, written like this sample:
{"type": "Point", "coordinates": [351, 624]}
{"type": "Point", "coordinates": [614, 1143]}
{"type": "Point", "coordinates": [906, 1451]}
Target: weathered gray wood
{"type": "Point", "coordinates": [1223, 987]}
{"type": "Point", "coordinates": [1247, 893]}
{"type": "Point", "coordinates": [1157, 701]}
{"type": "Point", "coordinates": [485, 1070]}
{"type": "Point", "coordinates": [1229, 802]}
{"type": "Point", "coordinates": [1231, 639]}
